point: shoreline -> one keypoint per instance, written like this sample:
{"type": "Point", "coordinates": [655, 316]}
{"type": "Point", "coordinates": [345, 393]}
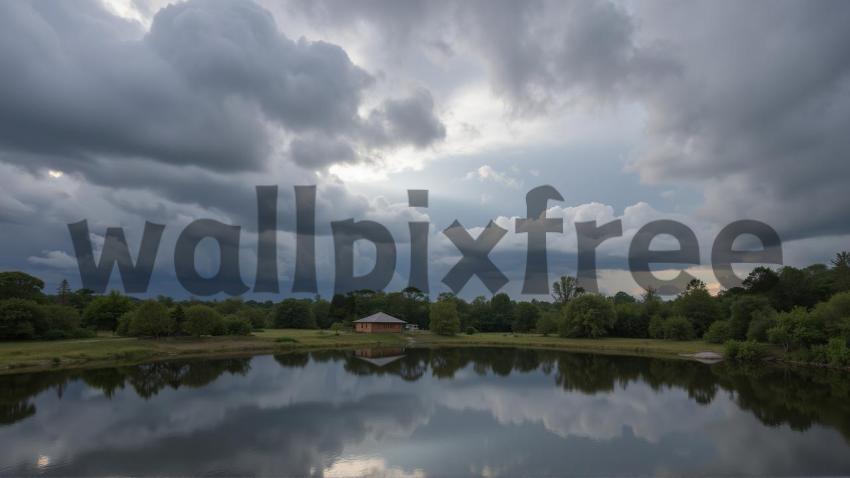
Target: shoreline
{"type": "Point", "coordinates": [108, 351]}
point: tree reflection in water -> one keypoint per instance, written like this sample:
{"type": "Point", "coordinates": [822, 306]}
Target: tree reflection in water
{"type": "Point", "coordinates": [776, 395]}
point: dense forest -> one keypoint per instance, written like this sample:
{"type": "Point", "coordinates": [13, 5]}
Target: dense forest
{"type": "Point", "coordinates": [802, 312]}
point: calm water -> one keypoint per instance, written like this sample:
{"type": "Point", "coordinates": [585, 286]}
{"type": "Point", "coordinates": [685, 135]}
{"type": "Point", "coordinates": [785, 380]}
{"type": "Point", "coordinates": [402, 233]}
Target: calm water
{"type": "Point", "coordinates": [408, 413]}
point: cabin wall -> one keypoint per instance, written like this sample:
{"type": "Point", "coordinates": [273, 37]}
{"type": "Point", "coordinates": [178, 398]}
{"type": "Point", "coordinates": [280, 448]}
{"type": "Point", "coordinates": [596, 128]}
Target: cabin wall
{"type": "Point", "coordinates": [377, 327]}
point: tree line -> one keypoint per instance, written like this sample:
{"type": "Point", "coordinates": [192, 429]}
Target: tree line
{"type": "Point", "coordinates": [804, 311]}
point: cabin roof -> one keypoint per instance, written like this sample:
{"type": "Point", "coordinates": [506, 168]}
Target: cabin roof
{"type": "Point", "coordinates": [381, 317]}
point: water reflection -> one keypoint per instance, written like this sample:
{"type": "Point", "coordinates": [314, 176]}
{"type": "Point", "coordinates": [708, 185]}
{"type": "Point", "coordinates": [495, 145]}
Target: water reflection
{"type": "Point", "coordinates": [419, 412]}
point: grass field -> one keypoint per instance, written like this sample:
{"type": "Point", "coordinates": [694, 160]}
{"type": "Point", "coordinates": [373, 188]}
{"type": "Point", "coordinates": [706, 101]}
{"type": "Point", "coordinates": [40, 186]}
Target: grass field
{"type": "Point", "coordinates": [111, 350]}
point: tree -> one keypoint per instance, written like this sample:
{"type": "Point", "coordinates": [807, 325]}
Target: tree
{"type": "Point", "coordinates": [19, 285]}
{"type": "Point", "coordinates": [294, 314]}
{"type": "Point", "coordinates": [321, 310]}
{"type": "Point", "coordinates": [698, 306]}
{"type": "Point", "coordinates": [230, 306]}
{"type": "Point", "coordinates": [103, 312]}
{"type": "Point", "coordinates": [742, 312]}
{"type": "Point", "coordinates": [678, 328]}
{"type": "Point", "coordinates": [623, 298]}
{"type": "Point", "coordinates": [565, 289]}
{"type": "Point", "coordinates": [840, 272]}
{"type": "Point", "coordinates": [525, 317]}
{"type": "Point", "coordinates": [719, 332]}
{"type": "Point", "coordinates": [548, 323]}
{"type": "Point", "coordinates": [202, 320]}
{"type": "Point", "coordinates": [179, 316]}
{"type": "Point", "coordinates": [762, 321]}
{"type": "Point", "coordinates": [632, 321]}
{"type": "Point", "coordinates": [589, 315]}
{"type": "Point", "coordinates": [63, 292]}
{"type": "Point", "coordinates": [21, 319]}
{"type": "Point", "coordinates": [501, 314]}
{"type": "Point", "coordinates": [62, 318]}
{"type": "Point", "coordinates": [761, 280]}
{"type": "Point", "coordinates": [796, 329]}
{"type": "Point", "coordinates": [151, 319]}
{"type": "Point", "coordinates": [257, 317]}
{"type": "Point", "coordinates": [443, 318]}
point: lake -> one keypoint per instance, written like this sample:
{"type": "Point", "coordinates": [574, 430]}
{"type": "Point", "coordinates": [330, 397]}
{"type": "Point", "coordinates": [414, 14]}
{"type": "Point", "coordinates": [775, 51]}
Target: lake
{"type": "Point", "coordinates": [420, 412]}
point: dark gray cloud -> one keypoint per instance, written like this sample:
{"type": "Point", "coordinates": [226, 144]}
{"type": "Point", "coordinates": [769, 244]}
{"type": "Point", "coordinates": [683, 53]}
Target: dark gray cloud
{"type": "Point", "coordinates": [208, 85]}
{"type": "Point", "coordinates": [748, 104]}
{"type": "Point", "coordinates": [759, 116]}
{"type": "Point", "coordinates": [407, 120]}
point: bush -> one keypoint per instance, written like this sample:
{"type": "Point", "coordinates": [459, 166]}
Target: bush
{"type": "Point", "coordinates": [61, 317]}
{"type": "Point", "coordinates": [744, 310]}
{"type": "Point", "coordinates": [55, 334]}
{"type": "Point", "coordinates": [339, 327]}
{"type": "Point", "coordinates": [150, 319]}
{"type": "Point", "coordinates": [719, 332]}
{"type": "Point", "coordinates": [237, 326]}
{"type": "Point", "coordinates": [590, 315]}
{"type": "Point", "coordinates": [103, 312]}
{"type": "Point", "coordinates": [837, 353]}
{"type": "Point", "coordinates": [797, 329]}
{"type": "Point", "coordinates": [258, 318]}
{"type": "Point", "coordinates": [202, 320]}
{"type": "Point", "coordinates": [21, 319]}
{"type": "Point", "coordinates": [548, 323]}
{"type": "Point", "coordinates": [471, 330]}
{"type": "Point", "coordinates": [762, 322]}
{"type": "Point", "coordinates": [678, 328]}
{"type": "Point", "coordinates": [123, 327]}
{"type": "Point", "coordinates": [748, 351]}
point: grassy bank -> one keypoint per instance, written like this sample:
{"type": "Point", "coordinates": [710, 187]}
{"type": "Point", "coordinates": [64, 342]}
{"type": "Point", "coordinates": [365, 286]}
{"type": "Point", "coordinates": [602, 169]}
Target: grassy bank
{"type": "Point", "coordinates": [619, 346]}
{"type": "Point", "coordinates": [106, 350]}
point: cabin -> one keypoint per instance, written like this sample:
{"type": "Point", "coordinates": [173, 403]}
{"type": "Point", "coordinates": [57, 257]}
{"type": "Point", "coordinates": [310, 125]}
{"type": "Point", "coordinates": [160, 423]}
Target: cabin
{"type": "Point", "coordinates": [379, 323]}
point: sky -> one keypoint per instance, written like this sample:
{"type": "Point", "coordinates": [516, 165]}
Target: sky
{"type": "Point", "coordinates": [705, 112]}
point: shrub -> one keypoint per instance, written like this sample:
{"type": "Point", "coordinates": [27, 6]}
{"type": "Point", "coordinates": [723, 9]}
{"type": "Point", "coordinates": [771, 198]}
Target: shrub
{"type": "Point", "coordinates": [258, 318]}
{"type": "Point", "coordinates": [740, 351]}
{"type": "Point", "coordinates": [123, 327]}
{"type": "Point", "coordinates": [797, 329]}
{"type": "Point", "coordinates": [237, 326]}
{"type": "Point", "coordinates": [678, 328]}
{"type": "Point", "coordinates": [762, 321]}
{"type": "Point", "coordinates": [202, 320]}
{"type": "Point", "coordinates": [338, 327]}
{"type": "Point", "coordinates": [151, 319]}
{"type": "Point", "coordinates": [103, 312]}
{"type": "Point", "coordinates": [471, 330]}
{"type": "Point", "coordinates": [548, 323]}
{"type": "Point", "coordinates": [837, 353]}
{"type": "Point", "coordinates": [719, 332]}
{"type": "Point", "coordinates": [55, 334]}
{"type": "Point", "coordinates": [590, 315]}
{"type": "Point", "coordinates": [61, 317]}
{"type": "Point", "coordinates": [743, 311]}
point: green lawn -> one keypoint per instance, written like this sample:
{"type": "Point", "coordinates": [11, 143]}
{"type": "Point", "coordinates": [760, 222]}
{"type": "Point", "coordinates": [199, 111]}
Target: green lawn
{"type": "Point", "coordinates": [107, 349]}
